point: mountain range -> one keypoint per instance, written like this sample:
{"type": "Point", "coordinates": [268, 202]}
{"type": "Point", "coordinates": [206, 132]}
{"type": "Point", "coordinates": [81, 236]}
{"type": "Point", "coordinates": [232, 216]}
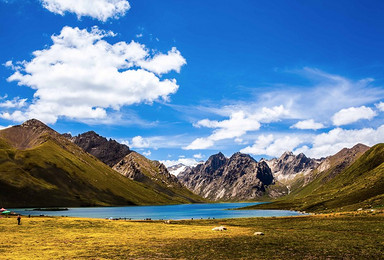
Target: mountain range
{"type": "Point", "coordinates": [41, 168]}
{"type": "Point", "coordinates": [351, 179]}
{"type": "Point", "coordinates": [239, 177]}
{"type": "Point", "coordinates": [220, 178]}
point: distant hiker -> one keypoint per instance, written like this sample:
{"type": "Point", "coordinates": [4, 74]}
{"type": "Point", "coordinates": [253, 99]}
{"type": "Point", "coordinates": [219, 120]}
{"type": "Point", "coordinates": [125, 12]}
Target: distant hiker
{"type": "Point", "coordinates": [18, 220]}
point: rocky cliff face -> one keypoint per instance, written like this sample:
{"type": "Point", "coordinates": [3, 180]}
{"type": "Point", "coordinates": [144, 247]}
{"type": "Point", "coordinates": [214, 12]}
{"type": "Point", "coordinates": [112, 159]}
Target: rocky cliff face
{"type": "Point", "coordinates": [109, 151]}
{"type": "Point", "coordinates": [237, 178]}
{"type": "Point", "coordinates": [139, 168]}
{"type": "Point", "coordinates": [289, 166]}
{"type": "Point", "coordinates": [153, 174]}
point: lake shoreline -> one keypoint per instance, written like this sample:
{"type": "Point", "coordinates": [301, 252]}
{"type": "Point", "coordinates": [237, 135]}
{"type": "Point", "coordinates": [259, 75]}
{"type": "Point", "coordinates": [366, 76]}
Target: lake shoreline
{"type": "Point", "coordinates": [182, 211]}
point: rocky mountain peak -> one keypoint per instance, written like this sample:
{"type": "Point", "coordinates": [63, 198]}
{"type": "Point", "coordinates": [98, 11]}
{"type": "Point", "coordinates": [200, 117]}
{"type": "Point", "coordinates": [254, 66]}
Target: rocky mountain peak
{"type": "Point", "coordinates": [241, 156]}
{"type": "Point", "coordinates": [36, 125]}
{"type": "Point", "coordinates": [218, 156]}
{"type": "Point", "coordinates": [33, 123]}
{"type": "Point", "coordinates": [214, 162]}
{"type": "Point", "coordinates": [153, 173]}
{"type": "Point", "coordinates": [286, 154]}
{"type": "Point", "coordinates": [238, 178]}
{"type": "Point", "coordinates": [288, 166]}
{"type": "Point", "coordinates": [29, 134]}
{"type": "Point", "coordinates": [108, 151]}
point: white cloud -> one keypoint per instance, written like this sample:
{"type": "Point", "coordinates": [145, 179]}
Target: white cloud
{"type": "Point", "coordinates": [139, 142]}
{"type": "Point", "coordinates": [199, 143]}
{"type": "Point", "coordinates": [198, 156]}
{"type": "Point", "coordinates": [238, 124]}
{"type": "Point", "coordinates": [82, 77]}
{"type": "Point", "coordinates": [308, 124]}
{"type": "Point", "coordinates": [380, 106]}
{"type": "Point", "coordinates": [325, 95]}
{"type": "Point", "coordinates": [147, 153]}
{"type": "Point", "coordinates": [186, 161]}
{"type": "Point", "coordinates": [14, 103]}
{"type": "Point", "coordinates": [350, 115]}
{"type": "Point", "coordinates": [315, 146]}
{"type": "Point", "coordinates": [97, 9]}
{"type": "Point", "coordinates": [164, 63]}
{"type": "Point", "coordinates": [326, 144]}
{"type": "Point", "coordinates": [271, 146]}
{"type": "Point", "coordinates": [240, 141]}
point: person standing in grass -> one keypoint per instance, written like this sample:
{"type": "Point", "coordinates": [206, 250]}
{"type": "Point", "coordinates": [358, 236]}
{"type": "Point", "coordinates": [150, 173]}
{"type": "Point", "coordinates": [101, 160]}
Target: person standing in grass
{"type": "Point", "coordinates": [18, 220]}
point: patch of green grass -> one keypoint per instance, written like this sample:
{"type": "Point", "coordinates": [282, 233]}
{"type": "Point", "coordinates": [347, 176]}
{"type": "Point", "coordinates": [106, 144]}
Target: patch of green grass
{"type": "Point", "coordinates": [342, 236]}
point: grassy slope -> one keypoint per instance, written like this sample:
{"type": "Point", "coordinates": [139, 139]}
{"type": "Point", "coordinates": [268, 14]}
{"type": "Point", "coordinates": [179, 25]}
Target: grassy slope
{"type": "Point", "coordinates": [309, 237]}
{"type": "Point", "coordinates": [57, 174]}
{"type": "Point", "coordinates": [359, 185]}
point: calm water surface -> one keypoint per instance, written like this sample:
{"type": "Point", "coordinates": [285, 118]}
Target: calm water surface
{"type": "Point", "coordinates": [185, 211]}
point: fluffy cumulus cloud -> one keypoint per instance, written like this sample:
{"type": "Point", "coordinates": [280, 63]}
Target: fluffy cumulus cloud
{"type": "Point", "coordinates": [17, 102]}
{"type": "Point", "coordinates": [164, 63]}
{"type": "Point", "coordinates": [272, 146]}
{"type": "Point", "coordinates": [81, 76]}
{"type": "Point", "coordinates": [328, 100]}
{"type": "Point", "coordinates": [239, 123]}
{"type": "Point", "coordinates": [315, 146]}
{"type": "Point", "coordinates": [97, 9]}
{"type": "Point", "coordinates": [308, 124]}
{"type": "Point", "coordinates": [200, 143]}
{"type": "Point", "coordinates": [139, 142]}
{"type": "Point", "coordinates": [353, 114]}
{"type": "Point", "coordinates": [333, 141]}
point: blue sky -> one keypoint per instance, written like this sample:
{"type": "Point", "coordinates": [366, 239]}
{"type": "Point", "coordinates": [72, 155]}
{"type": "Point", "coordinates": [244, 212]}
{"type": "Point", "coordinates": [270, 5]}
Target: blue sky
{"type": "Point", "coordinates": [181, 80]}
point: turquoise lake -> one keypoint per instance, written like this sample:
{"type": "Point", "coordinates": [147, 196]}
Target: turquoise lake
{"type": "Point", "coordinates": [176, 212]}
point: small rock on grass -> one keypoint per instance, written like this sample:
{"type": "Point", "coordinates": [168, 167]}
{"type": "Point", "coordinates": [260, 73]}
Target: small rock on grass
{"type": "Point", "coordinates": [221, 228]}
{"type": "Point", "coordinates": [258, 234]}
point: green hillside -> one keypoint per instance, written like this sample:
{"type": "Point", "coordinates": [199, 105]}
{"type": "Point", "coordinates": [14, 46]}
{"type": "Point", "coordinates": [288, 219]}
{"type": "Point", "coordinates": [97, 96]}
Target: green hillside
{"type": "Point", "coordinates": [51, 171]}
{"type": "Point", "coordinates": [361, 185]}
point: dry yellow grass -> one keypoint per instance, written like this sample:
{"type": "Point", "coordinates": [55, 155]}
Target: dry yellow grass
{"type": "Point", "coordinates": [49, 238]}
{"type": "Point", "coordinates": [342, 236]}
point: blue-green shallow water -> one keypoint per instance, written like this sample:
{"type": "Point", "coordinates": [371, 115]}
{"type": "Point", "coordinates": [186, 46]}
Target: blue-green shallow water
{"type": "Point", "coordinates": [184, 211]}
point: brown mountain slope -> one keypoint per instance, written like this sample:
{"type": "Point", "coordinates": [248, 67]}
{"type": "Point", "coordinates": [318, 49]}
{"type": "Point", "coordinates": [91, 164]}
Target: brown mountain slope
{"type": "Point", "coordinates": [41, 168]}
{"type": "Point", "coordinates": [109, 151]}
{"type": "Point", "coordinates": [155, 175]}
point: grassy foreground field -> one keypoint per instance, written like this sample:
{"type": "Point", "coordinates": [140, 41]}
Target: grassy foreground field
{"type": "Point", "coordinates": [347, 235]}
